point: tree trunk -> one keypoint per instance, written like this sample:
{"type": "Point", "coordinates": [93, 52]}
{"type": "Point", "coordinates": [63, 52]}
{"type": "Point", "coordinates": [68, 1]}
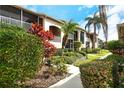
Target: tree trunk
{"type": "Point", "coordinates": [64, 42]}
{"type": "Point", "coordinates": [94, 37]}
{"type": "Point", "coordinates": [106, 35]}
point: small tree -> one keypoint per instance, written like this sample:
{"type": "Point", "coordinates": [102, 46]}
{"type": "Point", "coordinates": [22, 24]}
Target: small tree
{"type": "Point", "coordinates": [67, 28]}
{"type": "Point", "coordinates": [77, 45]}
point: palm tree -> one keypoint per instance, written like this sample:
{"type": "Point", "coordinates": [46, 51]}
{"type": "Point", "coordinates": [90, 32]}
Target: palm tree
{"type": "Point", "coordinates": [103, 15]}
{"type": "Point", "coordinates": [96, 22]}
{"type": "Point", "coordinates": [67, 28]}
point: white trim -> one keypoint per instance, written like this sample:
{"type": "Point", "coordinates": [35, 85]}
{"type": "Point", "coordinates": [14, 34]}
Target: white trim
{"type": "Point", "coordinates": [21, 18]}
{"type": "Point", "coordinates": [38, 19]}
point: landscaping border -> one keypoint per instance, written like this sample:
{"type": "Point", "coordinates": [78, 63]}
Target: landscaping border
{"type": "Point", "coordinates": [71, 76]}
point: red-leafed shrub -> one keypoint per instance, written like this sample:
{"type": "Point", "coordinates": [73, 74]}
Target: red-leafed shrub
{"type": "Point", "coordinates": [49, 49]}
{"type": "Point", "coordinates": [38, 30]}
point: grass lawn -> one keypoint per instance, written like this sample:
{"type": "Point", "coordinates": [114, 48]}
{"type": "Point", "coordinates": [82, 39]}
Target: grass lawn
{"type": "Point", "coordinates": [92, 57]}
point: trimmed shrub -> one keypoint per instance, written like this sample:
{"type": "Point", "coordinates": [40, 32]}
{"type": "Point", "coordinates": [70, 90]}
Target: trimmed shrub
{"type": "Point", "coordinates": [82, 52]}
{"type": "Point", "coordinates": [58, 65]}
{"type": "Point", "coordinates": [117, 69]}
{"type": "Point", "coordinates": [114, 44]}
{"type": "Point", "coordinates": [103, 73]}
{"type": "Point", "coordinates": [96, 74]}
{"type": "Point", "coordinates": [72, 57]}
{"type": "Point", "coordinates": [69, 54]}
{"type": "Point", "coordinates": [116, 47]}
{"type": "Point", "coordinates": [96, 50]}
{"type": "Point", "coordinates": [77, 45]}
{"type": "Point", "coordinates": [20, 55]}
{"type": "Point", "coordinates": [70, 60]}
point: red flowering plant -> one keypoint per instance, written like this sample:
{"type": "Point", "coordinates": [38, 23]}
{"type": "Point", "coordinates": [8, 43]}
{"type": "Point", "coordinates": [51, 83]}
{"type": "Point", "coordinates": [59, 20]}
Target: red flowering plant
{"type": "Point", "coordinates": [49, 49]}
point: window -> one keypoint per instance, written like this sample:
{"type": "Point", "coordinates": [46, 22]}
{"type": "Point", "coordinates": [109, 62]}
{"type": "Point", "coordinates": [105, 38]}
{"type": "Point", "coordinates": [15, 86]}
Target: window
{"type": "Point", "coordinates": [56, 32]}
{"type": "Point", "coordinates": [75, 35]}
{"type": "Point", "coordinates": [82, 37]}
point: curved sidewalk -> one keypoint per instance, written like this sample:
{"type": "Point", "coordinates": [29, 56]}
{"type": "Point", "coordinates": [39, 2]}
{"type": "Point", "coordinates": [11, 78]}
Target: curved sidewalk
{"type": "Point", "coordinates": [73, 81]}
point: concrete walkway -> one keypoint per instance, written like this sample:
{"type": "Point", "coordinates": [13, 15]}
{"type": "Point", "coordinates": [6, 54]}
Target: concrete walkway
{"type": "Point", "coordinates": [72, 81]}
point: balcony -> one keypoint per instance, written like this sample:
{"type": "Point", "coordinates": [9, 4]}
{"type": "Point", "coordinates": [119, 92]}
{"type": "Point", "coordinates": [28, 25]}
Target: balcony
{"type": "Point", "coordinates": [19, 23]}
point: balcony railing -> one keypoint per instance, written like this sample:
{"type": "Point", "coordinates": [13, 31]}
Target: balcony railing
{"type": "Point", "coordinates": [19, 23]}
{"type": "Point", "coordinates": [71, 36]}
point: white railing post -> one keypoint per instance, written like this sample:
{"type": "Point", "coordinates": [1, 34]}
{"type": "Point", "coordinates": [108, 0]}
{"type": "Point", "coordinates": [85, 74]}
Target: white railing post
{"type": "Point", "coordinates": [21, 18]}
{"type": "Point", "coordinates": [38, 20]}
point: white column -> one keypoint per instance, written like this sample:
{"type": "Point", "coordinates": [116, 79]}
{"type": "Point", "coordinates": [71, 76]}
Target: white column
{"type": "Point", "coordinates": [21, 18]}
{"type": "Point", "coordinates": [43, 22]}
{"type": "Point", "coordinates": [38, 19]}
{"type": "Point", "coordinates": [79, 36]}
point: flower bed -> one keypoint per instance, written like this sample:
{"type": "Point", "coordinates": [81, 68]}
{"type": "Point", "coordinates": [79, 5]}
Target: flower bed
{"type": "Point", "coordinates": [45, 78]}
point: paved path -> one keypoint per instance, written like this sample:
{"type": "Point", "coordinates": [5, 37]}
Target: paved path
{"type": "Point", "coordinates": [72, 81]}
{"type": "Point", "coordinates": [75, 82]}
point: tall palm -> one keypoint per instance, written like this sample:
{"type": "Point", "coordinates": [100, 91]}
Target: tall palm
{"type": "Point", "coordinates": [103, 15]}
{"type": "Point", "coordinates": [96, 22]}
{"type": "Point", "coordinates": [68, 27]}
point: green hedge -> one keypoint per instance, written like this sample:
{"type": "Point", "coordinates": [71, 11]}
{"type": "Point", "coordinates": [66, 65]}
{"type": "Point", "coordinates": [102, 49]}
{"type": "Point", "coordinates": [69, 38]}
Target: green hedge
{"type": "Point", "coordinates": [117, 68]}
{"type": "Point", "coordinates": [96, 74]}
{"type": "Point", "coordinates": [70, 60]}
{"type": "Point", "coordinates": [77, 45]}
{"type": "Point", "coordinates": [72, 57]}
{"type": "Point", "coordinates": [116, 47]}
{"type": "Point", "coordinates": [114, 44]}
{"type": "Point", "coordinates": [82, 52]}
{"type": "Point", "coordinates": [20, 55]}
{"type": "Point", "coordinates": [103, 73]}
{"type": "Point", "coordinates": [90, 50]}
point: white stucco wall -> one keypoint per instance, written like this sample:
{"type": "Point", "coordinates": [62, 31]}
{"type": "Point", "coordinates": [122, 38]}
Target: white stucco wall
{"type": "Point", "coordinates": [85, 39]}
{"type": "Point", "coordinates": [47, 24]}
{"type": "Point", "coordinates": [96, 44]}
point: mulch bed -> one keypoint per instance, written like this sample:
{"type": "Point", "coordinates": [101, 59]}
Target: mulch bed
{"type": "Point", "coordinates": [44, 79]}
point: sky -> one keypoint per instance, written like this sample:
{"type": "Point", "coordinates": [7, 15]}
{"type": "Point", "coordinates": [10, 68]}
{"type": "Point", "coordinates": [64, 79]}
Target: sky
{"type": "Point", "coordinates": [78, 13]}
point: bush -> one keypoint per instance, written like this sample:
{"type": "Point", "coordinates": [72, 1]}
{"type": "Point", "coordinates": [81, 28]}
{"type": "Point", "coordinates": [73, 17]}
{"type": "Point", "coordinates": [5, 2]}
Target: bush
{"type": "Point", "coordinates": [69, 54]}
{"type": "Point", "coordinates": [59, 66]}
{"type": "Point", "coordinates": [77, 45]}
{"type": "Point", "coordinates": [72, 57]}
{"type": "Point", "coordinates": [20, 55]}
{"type": "Point", "coordinates": [114, 44]}
{"type": "Point", "coordinates": [117, 68]}
{"type": "Point", "coordinates": [58, 52]}
{"type": "Point", "coordinates": [103, 73]}
{"type": "Point", "coordinates": [82, 52]}
{"type": "Point", "coordinates": [96, 50]}
{"type": "Point", "coordinates": [116, 47]}
{"type": "Point", "coordinates": [70, 60]}
{"type": "Point", "coordinates": [96, 74]}
{"type": "Point", "coordinates": [45, 36]}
